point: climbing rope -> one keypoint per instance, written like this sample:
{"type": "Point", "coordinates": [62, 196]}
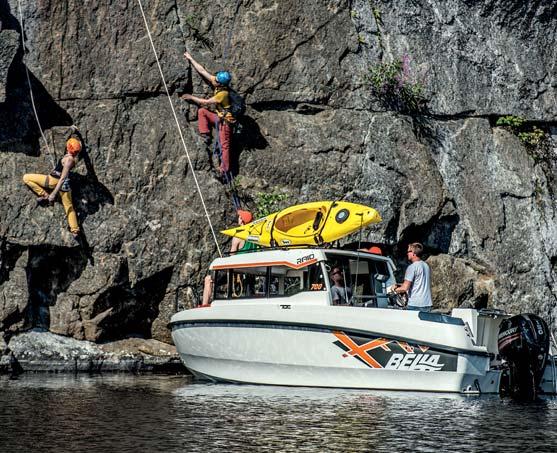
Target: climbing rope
{"type": "Point", "coordinates": [29, 81]}
{"type": "Point", "coordinates": [178, 127]}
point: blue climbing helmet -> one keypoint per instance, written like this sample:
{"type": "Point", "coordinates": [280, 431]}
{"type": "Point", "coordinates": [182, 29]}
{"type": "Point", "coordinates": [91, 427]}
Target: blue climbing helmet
{"type": "Point", "coordinates": [223, 77]}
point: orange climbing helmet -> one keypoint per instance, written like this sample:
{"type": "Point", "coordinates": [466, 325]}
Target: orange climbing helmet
{"type": "Point", "coordinates": [73, 146]}
{"type": "Point", "coordinates": [246, 216]}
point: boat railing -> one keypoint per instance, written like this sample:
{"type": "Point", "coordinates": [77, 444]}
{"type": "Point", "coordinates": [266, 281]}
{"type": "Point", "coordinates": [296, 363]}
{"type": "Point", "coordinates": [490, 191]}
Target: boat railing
{"type": "Point", "coordinates": [326, 246]}
{"type": "Point", "coordinates": [282, 247]}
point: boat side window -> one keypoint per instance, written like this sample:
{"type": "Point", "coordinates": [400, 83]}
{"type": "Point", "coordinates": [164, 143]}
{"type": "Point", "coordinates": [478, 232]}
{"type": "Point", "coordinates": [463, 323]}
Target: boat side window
{"type": "Point", "coordinates": [221, 280]}
{"type": "Point", "coordinates": [380, 279]}
{"type": "Point", "coordinates": [365, 278]}
{"type": "Point", "coordinates": [286, 282]}
{"type": "Point", "coordinates": [314, 278]}
{"type": "Point", "coordinates": [249, 283]}
{"type": "Point", "coordinates": [382, 269]}
{"type": "Point", "coordinates": [361, 278]}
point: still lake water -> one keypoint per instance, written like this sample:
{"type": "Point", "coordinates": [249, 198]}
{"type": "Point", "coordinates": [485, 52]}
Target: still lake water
{"type": "Point", "coordinates": [122, 413]}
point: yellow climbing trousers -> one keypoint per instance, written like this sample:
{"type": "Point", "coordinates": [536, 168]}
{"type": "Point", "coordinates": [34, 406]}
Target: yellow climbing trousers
{"type": "Point", "coordinates": [38, 184]}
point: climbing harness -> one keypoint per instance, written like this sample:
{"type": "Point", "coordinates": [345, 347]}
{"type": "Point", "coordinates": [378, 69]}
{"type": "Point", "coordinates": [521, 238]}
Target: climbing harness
{"type": "Point", "coordinates": [178, 127]}
{"type": "Point", "coordinates": [51, 155]}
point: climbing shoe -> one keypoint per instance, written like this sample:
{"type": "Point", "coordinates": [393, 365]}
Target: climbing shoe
{"type": "Point", "coordinates": [217, 175]}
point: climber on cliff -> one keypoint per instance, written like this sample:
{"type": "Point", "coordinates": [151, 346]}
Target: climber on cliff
{"type": "Point", "coordinates": [220, 102]}
{"type": "Point", "coordinates": [58, 181]}
{"type": "Point", "coordinates": [237, 246]}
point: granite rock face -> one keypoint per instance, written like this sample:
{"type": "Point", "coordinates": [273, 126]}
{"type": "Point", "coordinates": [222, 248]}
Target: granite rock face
{"type": "Point", "coordinates": [482, 202]}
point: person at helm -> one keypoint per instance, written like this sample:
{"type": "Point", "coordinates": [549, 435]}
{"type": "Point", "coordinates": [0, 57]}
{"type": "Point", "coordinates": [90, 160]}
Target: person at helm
{"type": "Point", "coordinates": [47, 187]}
{"type": "Point", "coordinates": [220, 102]}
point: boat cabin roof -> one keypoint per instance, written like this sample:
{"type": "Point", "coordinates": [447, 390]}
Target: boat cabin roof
{"type": "Point", "coordinates": [295, 258]}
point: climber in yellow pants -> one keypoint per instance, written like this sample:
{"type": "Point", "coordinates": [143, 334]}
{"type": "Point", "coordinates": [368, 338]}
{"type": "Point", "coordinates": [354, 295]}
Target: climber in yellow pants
{"type": "Point", "coordinates": [58, 181]}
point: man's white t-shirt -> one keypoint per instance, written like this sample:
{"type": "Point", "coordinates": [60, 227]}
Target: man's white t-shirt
{"type": "Point", "coordinates": [419, 294]}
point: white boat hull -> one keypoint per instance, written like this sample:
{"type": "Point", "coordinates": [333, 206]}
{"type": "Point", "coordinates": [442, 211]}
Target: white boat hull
{"type": "Point", "coordinates": [328, 354]}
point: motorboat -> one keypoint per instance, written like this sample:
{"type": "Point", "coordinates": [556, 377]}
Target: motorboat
{"type": "Point", "coordinates": [273, 321]}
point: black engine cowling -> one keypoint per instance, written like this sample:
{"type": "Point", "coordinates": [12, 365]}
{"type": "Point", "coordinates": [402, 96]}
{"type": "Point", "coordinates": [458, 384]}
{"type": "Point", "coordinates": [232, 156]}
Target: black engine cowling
{"type": "Point", "coordinates": [524, 343]}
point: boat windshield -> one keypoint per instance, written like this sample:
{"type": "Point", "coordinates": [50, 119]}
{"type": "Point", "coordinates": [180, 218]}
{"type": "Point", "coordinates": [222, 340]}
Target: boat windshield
{"type": "Point", "coordinates": [360, 281]}
{"type": "Point", "coordinates": [268, 282]}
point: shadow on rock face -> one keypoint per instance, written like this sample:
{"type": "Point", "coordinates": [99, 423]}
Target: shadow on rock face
{"type": "Point", "coordinates": [19, 131]}
{"type": "Point", "coordinates": [9, 21]}
{"type": "Point", "coordinates": [88, 193]}
{"type": "Point", "coordinates": [248, 136]}
{"type": "Point", "coordinates": [50, 272]}
{"type": "Point", "coordinates": [9, 254]}
{"type": "Point", "coordinates": [125, 310]}
{"type": "Point", "coordinates": [435, 235]}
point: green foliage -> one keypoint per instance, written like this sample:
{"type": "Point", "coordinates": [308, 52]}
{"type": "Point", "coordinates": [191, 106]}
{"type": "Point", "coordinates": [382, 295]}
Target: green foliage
{"type": "Point", "coordinates": [531, 136]}
{"type": "Point", "coordinates": [376, 12]}
{"type": "Point", "coordinates": [377, 15]}
{"type": "Point", "coordinates": [511, 121]}
{"type": "Point", "coordinates": [534, 138]}
{"type": "Point", "coordinates": [393, 84]}
{"type": "Point", "coordinates": [361, 39]}
{"type": "Point", "coordinates": [268, 202]}
{"type": "Point", "coordinates": [191, 20]}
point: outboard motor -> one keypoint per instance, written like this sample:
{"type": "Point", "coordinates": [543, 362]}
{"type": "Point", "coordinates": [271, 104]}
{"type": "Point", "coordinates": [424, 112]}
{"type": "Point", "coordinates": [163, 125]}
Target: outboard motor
{"type": "Point", "coordinates": [524, 343]}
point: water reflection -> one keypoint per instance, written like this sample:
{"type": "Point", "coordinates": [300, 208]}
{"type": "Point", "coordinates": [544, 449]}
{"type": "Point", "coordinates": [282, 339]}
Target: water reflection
{"type": "Point", "coordinates": [163, 413]}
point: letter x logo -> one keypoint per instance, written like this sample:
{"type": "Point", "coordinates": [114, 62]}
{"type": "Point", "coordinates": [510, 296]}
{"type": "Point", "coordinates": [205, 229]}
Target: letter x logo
{"type": "Point", "coordinates": [360, 351]}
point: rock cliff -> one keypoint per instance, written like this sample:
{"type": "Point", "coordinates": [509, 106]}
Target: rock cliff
{"type": "Point", "coordinates": [446, 174]}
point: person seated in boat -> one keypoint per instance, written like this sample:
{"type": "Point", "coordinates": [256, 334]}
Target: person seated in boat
{"type": "Point", "coordinates": [237, 246]}
{"type": "Point", "coordinates": [417, 282]}
{"type": "Point", "coordinates": [220, 102]}
{"type": "Point", "coordinates": [340, 293]}
{"type": "Point", "coordinates": [58, 181]}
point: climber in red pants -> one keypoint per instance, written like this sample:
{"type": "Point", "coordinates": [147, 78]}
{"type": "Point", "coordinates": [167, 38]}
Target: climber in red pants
{"type": "Point", "coordinates": [220, 102]}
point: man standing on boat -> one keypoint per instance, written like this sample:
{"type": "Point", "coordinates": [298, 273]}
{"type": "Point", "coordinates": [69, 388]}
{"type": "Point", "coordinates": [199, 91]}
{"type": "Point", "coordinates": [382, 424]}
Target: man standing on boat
{"type": "Point", "coordinates": [417, 282]}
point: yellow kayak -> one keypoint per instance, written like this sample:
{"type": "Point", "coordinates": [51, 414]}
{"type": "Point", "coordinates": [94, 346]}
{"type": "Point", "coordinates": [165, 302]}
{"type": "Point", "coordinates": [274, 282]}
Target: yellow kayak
{"type": "Point", "coordinates": [307, 224]}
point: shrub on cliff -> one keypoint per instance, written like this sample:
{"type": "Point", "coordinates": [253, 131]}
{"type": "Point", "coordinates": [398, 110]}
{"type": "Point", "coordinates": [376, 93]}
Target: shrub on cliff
{"type": "Point", "coordinates": [532, 137]}
{"type": "Point", "coordinates": [396, 88]}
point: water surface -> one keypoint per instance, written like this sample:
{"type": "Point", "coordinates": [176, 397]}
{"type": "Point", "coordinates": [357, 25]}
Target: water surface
{"type": "Point", "coordinates": [124, 413]}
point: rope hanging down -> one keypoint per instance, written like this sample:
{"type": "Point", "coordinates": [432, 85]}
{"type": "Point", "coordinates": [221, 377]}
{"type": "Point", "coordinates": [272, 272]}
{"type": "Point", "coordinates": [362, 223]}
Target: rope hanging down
{"type": "Point", "coordinates": [178, 127]}
{"type": "Point", "coordinates": [29, 79]}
